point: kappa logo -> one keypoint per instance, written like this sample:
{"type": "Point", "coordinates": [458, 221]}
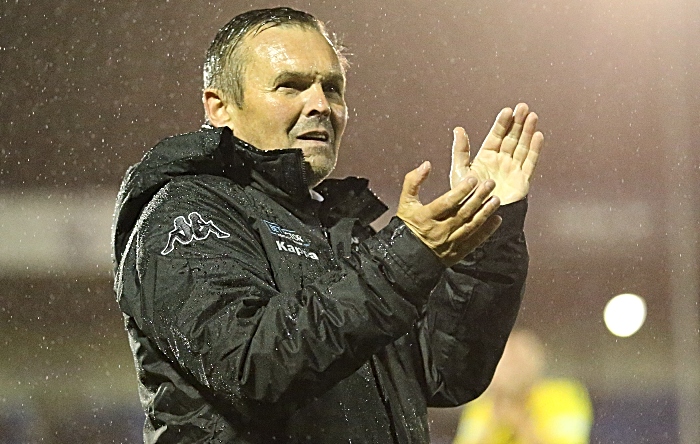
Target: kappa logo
{"type": "Point", "coordinates": [297, 244]}
{"type": "Point", "coordinates": [191, 229]}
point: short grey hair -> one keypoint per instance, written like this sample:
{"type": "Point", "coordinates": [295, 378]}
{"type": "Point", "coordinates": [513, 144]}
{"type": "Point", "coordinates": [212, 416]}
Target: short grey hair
{"type": "Point", "coordinates": [224, 64]}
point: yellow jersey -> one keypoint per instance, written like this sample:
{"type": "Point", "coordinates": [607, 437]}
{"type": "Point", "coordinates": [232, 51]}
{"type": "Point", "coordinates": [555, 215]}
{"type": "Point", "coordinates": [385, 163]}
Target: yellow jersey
{"type": "Point", "coordinates": [560, 409]}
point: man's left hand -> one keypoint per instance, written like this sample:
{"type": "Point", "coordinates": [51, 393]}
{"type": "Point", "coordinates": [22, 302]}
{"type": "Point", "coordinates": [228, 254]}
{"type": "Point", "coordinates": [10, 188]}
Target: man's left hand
{"type": "Point", "coordinates": [508, 155]}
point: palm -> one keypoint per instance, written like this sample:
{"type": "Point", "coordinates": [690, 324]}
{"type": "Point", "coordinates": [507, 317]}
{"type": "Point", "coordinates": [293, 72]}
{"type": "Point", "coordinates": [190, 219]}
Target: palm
{"type": "Point", "coordinates": [512, 184]}
{"type": "Point", "coordinates": [508, 155]}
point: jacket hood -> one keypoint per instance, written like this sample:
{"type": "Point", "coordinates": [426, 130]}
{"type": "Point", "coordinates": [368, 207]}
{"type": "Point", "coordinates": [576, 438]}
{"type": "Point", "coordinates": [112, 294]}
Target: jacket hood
{"type": "Point", "coordinates": [216, 151]}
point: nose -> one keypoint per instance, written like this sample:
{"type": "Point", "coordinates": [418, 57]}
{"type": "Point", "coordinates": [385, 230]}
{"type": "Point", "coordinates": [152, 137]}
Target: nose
{"type": "Point", "coordinates": [316, 102]}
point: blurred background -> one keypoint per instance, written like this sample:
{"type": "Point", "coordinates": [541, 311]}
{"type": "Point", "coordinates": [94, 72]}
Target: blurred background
{"type": "Point", "coordinates": [86, 87]}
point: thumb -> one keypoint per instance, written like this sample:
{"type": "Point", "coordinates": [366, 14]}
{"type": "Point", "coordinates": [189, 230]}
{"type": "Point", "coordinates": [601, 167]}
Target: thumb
{"type": "Point", "coordinates": [412, 182]}
{"type": "Point", "coordinates": [460, 156]}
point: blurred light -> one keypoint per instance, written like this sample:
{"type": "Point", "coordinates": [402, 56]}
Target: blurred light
{"type": "Point", "coordinates": [625, 314]}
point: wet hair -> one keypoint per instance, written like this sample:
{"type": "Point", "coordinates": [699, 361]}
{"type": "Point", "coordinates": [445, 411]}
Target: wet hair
{"type": "Point", "coordinates": [225, 61]}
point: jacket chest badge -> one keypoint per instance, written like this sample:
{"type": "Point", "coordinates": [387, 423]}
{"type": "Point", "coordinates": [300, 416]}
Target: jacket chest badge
{"type": "Point", "coordinates": [195, 227]}
{"type": "Point", "coordinates": [290, 242]}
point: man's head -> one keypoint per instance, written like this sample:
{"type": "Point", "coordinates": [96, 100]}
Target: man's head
{"type": "Point", "coordinates": [275, 78]}
{"type": "Point", "coordinates": [521, 365]}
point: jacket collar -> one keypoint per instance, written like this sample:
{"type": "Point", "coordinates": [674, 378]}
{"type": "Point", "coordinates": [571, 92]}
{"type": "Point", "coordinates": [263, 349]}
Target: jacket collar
{"type": "Point", "coordinates": [280, 172]}
{"type": "Point", "coordinates": [216, 151]}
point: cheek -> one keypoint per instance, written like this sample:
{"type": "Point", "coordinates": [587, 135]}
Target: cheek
{"type": "Point", "coordinates": [281, 115]}
{"type": "Point", "coordinates": [340, 117]}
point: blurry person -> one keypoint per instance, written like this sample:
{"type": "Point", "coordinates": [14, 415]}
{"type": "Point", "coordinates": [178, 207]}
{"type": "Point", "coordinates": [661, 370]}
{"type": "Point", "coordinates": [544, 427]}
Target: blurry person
{"type": "Point", "coordinates": [520, 406]}
{"type": "Point", "coordinates": [261, 306]}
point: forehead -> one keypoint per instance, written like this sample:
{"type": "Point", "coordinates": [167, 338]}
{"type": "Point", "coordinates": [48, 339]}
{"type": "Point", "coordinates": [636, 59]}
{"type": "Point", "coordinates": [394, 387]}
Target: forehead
{"type": "Point", "coordinates": [290, 48]}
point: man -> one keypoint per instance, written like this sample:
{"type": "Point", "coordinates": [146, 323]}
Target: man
{"type": "Point", "coordinates": [260, 305]}
{"type": "Point", "coordinates": [522, 406]}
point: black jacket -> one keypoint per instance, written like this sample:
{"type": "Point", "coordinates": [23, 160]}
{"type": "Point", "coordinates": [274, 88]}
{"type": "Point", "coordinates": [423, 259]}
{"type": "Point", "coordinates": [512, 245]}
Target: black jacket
{"type": "Point", "coordinates": [259, 315]}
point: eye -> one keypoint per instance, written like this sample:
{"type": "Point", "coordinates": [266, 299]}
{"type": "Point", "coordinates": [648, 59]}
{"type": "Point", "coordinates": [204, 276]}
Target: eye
{"type": "Point", "coordinates": [292, 86]}
{"type": "Point", "coordinates": [333, 88]}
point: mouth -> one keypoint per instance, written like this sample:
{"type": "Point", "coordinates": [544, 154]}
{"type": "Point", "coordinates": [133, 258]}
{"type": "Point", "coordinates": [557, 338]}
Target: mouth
{"type": "Point", "coordinates": [316, 136]}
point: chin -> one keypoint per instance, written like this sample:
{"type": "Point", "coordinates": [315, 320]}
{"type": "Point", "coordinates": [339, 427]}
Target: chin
{"type": "Point", "coordinates": [318, 169]}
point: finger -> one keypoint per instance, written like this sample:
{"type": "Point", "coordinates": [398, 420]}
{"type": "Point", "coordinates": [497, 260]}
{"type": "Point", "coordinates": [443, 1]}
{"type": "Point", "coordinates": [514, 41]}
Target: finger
{"type": "Point", "coordinates": [477, 234]}
{"type": "Point", "coordinates": [533, 154]}
{"type": "Point", "coordinates": [460, 156]}
{"type": "Point", "coordinates": [449, 203]}
{"type": "Point", "coordinates": [478, 206]}
{"type": "Point", "coordinates": [511, 139]}
{"type": "Point", "coordinates": [523, 147]}
{"type": "Point", "coordinates": [498, 130]}
{"type": "Point", "coordinates": [412, 182]}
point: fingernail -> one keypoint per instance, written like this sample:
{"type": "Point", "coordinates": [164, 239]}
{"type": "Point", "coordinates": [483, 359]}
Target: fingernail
{"type": "Point", "coordinates": [471, 181]}
{"type": "Point", "coordinates": [424, 166]}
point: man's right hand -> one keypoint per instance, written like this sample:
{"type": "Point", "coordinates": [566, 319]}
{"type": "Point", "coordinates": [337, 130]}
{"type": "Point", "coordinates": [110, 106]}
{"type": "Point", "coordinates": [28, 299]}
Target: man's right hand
{"type": "Point", "coordinates": [455, 223]}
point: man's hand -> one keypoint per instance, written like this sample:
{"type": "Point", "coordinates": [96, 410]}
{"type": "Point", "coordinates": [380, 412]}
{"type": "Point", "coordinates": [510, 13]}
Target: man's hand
{"type": "Point", "coordinates": [455, 223]}
{"type": "Point", "coordinates": [508, 155]}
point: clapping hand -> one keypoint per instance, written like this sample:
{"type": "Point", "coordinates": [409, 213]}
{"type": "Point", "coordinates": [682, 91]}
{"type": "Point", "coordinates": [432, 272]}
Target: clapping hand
{"type": "Point", "coordinates": [453, 224]}
{"type": "Point", "coordinates": [460, 220]}
{"type": "Point", "coordinates": [508, 155]}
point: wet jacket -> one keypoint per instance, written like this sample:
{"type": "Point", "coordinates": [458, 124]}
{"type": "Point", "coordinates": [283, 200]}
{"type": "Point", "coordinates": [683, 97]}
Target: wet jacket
{"type": "Point", "coordinates": [257, 314]}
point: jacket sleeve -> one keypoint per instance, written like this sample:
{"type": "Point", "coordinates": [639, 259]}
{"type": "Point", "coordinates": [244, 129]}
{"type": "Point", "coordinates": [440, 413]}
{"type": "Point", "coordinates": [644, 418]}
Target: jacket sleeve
{"type": "Point", "coordinates": [213, 308]}
{"type": "Point", "coordinates": [471, 312]}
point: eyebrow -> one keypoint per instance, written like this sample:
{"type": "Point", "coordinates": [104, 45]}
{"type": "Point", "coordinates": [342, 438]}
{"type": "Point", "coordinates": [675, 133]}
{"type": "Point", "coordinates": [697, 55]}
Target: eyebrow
{"type": "Point", "coordinates": [333, 77]}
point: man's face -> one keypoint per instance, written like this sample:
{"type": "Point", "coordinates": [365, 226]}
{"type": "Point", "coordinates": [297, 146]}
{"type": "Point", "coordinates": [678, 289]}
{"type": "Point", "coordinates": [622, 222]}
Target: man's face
{"type": "Point", "coordinates": [293, 96]}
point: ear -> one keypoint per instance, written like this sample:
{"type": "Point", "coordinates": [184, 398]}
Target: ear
{"type": "Point", "coordinates": [216, 109]}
